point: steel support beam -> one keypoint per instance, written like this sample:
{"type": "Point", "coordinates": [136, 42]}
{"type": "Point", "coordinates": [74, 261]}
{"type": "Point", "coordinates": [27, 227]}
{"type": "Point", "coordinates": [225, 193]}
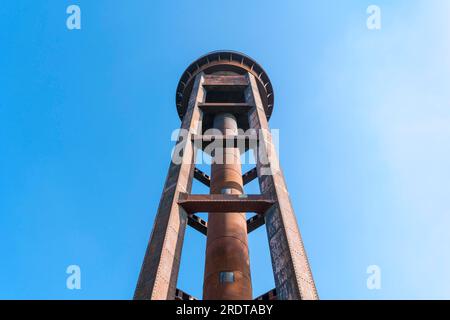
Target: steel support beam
{"type": "Point", "coordinates": [243, 142]}
{"type": "Point", "coordinates": [201, 225]}
{"type": "Point", "coordinates": [271, 295]}
{"type": "Point", "coordinates": [225, 83]}
{"type": "Point", "coordinates": [249, 176]}
{"type": "Point", "coordinates": [220, 203]}
{"type": "Point", "coordinates": [198, 224]}
{"type": "Point", "coordinates": [202, 177]}
{"type": "Point", "coordinates": [216, 108]}
{"type": "Point", "coordinates": [255, 222]}
{"type": "Point", "coordinates": [181, 295]}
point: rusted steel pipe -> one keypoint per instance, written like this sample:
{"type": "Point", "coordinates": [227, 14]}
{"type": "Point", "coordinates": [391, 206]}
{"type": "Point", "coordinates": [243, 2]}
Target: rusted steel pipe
{"type": "Point", "coordinates": [227, 267]}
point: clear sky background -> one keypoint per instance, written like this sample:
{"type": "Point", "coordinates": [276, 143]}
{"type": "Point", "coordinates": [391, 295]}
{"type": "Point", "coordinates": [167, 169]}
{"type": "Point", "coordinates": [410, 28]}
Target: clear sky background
{"type": "Point", "coordinates": [86, 118]}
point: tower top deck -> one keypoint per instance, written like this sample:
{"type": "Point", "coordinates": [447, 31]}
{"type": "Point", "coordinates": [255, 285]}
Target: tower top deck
{"type": "Point", "coordinates": [219, 62]}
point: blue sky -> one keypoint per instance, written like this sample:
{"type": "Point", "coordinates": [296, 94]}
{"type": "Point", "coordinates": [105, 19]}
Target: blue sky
{"type": "Point", "coordinates": [86, 118]}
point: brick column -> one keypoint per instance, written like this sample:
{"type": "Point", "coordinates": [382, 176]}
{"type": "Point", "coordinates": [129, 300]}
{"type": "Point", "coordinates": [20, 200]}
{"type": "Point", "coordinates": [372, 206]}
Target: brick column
{"type": "Point", "coordinates": [292, 273]}
{"type": "Point", "coordinates": [159, 272]}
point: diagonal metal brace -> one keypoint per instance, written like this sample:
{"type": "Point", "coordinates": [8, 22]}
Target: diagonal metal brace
{"type": "Point", "coordinates": [202, 177]}
{"type": "Point", "coordinates": [198, 223]}
{"type": "Point", "coordinates": [249, 176]}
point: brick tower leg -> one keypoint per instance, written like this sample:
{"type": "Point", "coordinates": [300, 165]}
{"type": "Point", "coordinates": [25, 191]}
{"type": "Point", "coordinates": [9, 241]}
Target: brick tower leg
{"type": "Point", "coordinates": [292, 273]}
{"type": "Point", "coordinates": [159, 272]}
